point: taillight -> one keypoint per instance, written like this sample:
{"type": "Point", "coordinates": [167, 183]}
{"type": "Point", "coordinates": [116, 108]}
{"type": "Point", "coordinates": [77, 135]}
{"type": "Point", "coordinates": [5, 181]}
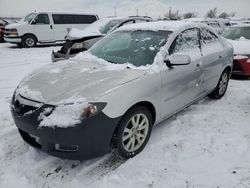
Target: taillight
{"type": "Point", "coordinates": [242, 58]}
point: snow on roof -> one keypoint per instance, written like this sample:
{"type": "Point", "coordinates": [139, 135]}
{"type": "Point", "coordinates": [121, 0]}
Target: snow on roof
{"type": "Point", "coordinates": [64, 12]}
{"type": "Point", "coordinates": [161, 25]}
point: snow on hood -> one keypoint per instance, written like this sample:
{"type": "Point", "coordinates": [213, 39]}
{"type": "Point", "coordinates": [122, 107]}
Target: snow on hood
{"type": "Point", "coordinates": [78, 34]}
{"type": "Point", "coordinates": [15, 25]}
{"type": "Point", "coordinates": [91, 30]}
{"type": "Point", "coordinates": [86, 79]}
{"type": "Point", "coordinates": [84, 76]}
{"type": "Point", "coordinates": [241, 46]}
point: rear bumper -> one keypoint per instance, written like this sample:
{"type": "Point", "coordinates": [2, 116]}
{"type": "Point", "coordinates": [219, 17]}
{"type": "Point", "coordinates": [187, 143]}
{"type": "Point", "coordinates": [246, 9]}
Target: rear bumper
{"type": "Point", "coordinates": [14, 40]}
{"type": "Point", "coordinates": [241, 68]}
{"type": "Point", "coordinates": [91, 137]}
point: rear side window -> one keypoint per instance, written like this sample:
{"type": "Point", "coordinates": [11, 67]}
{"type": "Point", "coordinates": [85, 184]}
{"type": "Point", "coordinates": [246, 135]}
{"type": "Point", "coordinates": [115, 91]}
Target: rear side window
{"type": "Point", "coordinates": [41, 19]}
{"type": "Point", "coordinates": [207, 36]}
{"type": "Point", "coordinates": [73, 19]}
{"type": "Point", "coordinates": [187, 40]}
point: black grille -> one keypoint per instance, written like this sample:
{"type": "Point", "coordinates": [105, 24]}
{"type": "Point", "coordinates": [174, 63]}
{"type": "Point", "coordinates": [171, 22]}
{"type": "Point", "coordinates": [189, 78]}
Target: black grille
{"type": "Point", "coordinates": [22, 109]}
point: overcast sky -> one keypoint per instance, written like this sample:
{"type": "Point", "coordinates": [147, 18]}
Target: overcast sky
{"type": "Point", "coordinates": [154, 8]}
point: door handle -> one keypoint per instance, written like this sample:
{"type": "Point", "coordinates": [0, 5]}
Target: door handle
{"type": "Point", "coordinates": [51, 27]}
{"type": "Point", "coordinates": [198, 67]}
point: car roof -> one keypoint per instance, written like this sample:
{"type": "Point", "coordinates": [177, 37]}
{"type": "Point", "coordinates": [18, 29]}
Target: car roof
{"type": "Point", "coordinates": [163, 25]}
{"type": "Point", "coordinates": [63, 12]}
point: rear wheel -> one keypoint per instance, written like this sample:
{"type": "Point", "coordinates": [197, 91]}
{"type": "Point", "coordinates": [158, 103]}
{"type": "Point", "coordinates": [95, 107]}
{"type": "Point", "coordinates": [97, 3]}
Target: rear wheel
{"type": "Point", "coordinates": [221, 88]}
{"type": "Point", "coordinates": [29, 41]}
{"type": "Point", "coordinates": [133, 132]}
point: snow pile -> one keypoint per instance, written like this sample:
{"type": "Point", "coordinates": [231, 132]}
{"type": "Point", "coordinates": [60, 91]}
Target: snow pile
{"type": "Point", "coordinates": [63, 116]}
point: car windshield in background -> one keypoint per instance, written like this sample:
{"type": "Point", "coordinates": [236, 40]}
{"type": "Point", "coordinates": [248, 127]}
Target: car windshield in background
{"type": "Point", "coordinates": [107, 27]}
{"type": "Point", "coordinates": [235, 33]}
{"type": "Point", "coordinates": [2, 22]}
{"type": "Point", "coordinates": [28, 18]}
{"type": "Point", "coordinates": [135, 47]}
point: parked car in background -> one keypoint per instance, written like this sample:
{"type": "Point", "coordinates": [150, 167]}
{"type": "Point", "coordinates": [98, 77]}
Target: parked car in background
{"type": "Point", "coordinates": [45, 27]}
{"type": "Point", "coordinates": [81, 40]}
{"type": "Point", "coordinates": [3, 23]}
{"type": "Point", "coordinates": [239, 37]}
{"type": "Point", "coordinates": [111, 96]}
{"type": "Point", "coordinates": [216, 24]}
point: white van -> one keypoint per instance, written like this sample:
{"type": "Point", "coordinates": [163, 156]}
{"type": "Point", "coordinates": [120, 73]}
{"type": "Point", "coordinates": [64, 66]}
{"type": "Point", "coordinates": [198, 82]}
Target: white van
{"type": "Point", "coordinates": [45, 27]}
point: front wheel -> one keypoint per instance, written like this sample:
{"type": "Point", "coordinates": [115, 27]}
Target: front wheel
{"type": "Point", "coordinates": [221, 88]}
{"type": "Point", "coordinates": [133, 132]}
{"type": "Point", "coordinates": [29, 41]}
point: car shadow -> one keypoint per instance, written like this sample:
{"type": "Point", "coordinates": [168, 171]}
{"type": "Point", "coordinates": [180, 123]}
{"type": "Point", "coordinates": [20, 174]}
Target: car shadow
{"type": "Point", "coordinates": [38, 46]}
{"type": "Point", "coordinates": [238, 77]}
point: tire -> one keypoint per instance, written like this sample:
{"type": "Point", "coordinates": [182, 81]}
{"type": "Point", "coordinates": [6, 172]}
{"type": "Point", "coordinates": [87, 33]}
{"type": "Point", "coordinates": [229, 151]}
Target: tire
{"type": "Point", "coordinates": [131, 137]}
{"type": "Point", "coordinates": [222, 85]}
{"type": "Point", "coordinates": [29, 41]}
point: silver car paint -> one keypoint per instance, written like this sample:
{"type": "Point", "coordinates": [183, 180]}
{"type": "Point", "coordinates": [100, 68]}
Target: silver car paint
{"type": "Point", "coordinates": [168, 91]}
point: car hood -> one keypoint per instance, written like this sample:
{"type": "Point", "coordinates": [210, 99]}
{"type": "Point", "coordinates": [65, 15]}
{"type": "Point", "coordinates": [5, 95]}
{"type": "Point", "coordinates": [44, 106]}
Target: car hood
{"type": "Point", "coordinates": [15, 25]}
{"type": "Point", "coordinates": [241, 47]}
{"type": "Point", "coordinates": [75, 34]}
{"type": "Point", "coordinates": [66, 81]}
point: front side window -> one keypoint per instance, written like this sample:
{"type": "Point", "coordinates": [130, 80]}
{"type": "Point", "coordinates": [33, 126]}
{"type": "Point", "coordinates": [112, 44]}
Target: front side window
{"type": "Point", "coordinates": [135, 47]}
{"type": "Point", "coordinates": [41, 19]}
{"type": "Point", "coordinates": [187, 40]}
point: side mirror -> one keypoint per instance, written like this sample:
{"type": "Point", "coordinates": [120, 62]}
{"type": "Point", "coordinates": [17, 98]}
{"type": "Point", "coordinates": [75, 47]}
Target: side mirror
{"type": "Point", "coordinates": [177, 60]}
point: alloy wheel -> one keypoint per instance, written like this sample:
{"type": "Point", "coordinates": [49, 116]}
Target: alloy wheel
{"type": "Point", "coordinates": [135, 132]}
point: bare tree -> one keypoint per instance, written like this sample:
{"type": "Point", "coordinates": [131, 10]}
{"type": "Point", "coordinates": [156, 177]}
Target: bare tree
{"type": "Point", "coordinates": [189, 15]}
{"type": "Point", "coordinates": [224, 15]}
{"type": "Point", "coordinates": [212, 13]}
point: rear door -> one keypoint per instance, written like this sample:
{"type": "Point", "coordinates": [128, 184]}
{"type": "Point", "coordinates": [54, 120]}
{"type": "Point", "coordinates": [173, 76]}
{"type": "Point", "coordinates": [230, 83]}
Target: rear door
{"type": "Point", "coordinates": [212, 54]}
{"type": "Point", "coordinates": [42, 28]}
{"type": "Point", "coordinates": [182, 84]}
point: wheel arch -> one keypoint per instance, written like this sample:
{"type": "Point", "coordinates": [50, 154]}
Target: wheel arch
{"type": "Point", "coordinates": [32, 34]}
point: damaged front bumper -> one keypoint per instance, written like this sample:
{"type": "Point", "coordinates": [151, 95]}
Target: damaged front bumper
{"type": "Point", "coordinates": [90, 138]}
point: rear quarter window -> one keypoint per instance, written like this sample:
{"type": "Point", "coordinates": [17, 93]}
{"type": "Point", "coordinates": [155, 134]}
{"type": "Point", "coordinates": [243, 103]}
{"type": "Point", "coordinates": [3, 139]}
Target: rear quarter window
{"type": "Point", "coordinates": [208, 36]}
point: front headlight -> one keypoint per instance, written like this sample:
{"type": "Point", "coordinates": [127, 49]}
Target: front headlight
{"type": "Point", "coordinates": [12, 32]}
{"type": "Point", "coordinates": [68, 115]}
{"type": "Point", "coordinates": [77, 46]}
{"type": "Point", "coordinates": [93, 109]}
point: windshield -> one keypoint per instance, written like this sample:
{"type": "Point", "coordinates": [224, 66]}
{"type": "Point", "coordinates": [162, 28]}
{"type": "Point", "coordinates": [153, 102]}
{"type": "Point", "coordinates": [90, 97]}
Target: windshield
{"type": "Point", "coordinates": [135, 47]}
{"type": "Point", "coordinates": [107, 27]}
{"type": "Point", "coordinates": [235, 33]}
{"type": "Point", "coordinates": [28, 18]}
{"type": "Point", "coordinates": [2, 22]}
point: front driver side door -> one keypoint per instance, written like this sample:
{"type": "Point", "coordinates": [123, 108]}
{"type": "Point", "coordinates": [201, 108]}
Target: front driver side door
{"type": "Point", "coordinates": [42, 28]}
{"type": "Point", "coordinates": [182, 84]}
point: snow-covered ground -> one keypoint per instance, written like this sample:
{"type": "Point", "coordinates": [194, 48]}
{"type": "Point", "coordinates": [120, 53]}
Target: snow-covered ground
{"type": "Point", "coordinates": [205, 146]}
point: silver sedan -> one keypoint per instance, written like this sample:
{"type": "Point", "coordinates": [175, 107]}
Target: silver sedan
{"type": "Point", "coordinates": [111, 96]}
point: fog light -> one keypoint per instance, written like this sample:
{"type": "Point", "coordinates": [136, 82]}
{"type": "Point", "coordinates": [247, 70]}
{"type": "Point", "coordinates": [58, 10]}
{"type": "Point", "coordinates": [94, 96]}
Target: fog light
{"type": "Point", "coordinates": [66, 148]}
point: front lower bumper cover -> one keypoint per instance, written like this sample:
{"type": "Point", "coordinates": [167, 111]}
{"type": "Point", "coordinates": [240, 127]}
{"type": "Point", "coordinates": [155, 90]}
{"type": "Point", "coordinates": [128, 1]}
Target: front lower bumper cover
{"type": "Point", "coordinates": [90, 138]}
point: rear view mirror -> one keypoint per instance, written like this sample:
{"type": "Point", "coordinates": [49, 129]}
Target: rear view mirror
{"type": "Point", "coordinates": [178, 59]}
